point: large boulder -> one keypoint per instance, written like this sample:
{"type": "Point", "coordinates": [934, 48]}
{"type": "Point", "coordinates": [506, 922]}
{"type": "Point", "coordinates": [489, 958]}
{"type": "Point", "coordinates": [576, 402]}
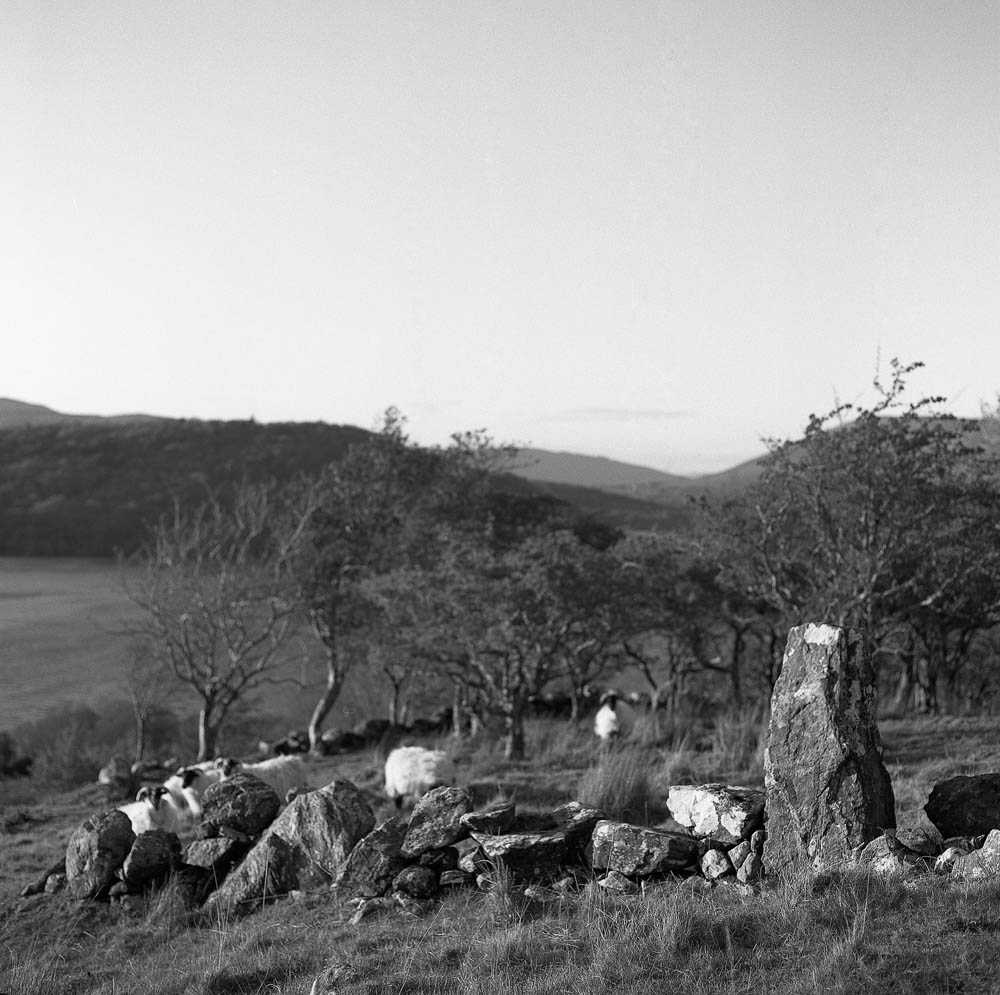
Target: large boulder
{"type": "Point", "coordinates": [628, 849]}
{"type": "Point", "coordinates": [375, 861]}
{"type": "Point", "coordinates": [497, 818]}
{"type": "Point", "coordinates": [966, 805]}
{"type": "Point", "coordinates": [154, 854]}
{"type": "Point", "coordinates": [96, 851]}
{"type": "Point", "coordinates": [828, 792]}
{"type": "Point", "coordinates": [267, 872]}
{"type": "Point", "coordinates": [719, 812]}
{"type": "Point", "coordinates": [241, 803]}
{"type": "Point", "coordinates": [323, 827]}
{"type": "Point", "coordinates": [436, 820]}
{"type": "Point", "coordinates": [979, 864]}
{"type": "Point", "coordinates": [306, 846]}
{"type": "Point", "coordinates": [217, 855]}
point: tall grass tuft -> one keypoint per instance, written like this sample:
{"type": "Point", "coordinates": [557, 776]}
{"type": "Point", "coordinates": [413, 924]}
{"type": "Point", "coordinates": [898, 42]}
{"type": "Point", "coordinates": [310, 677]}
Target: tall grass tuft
{"type": "Point", "coordinates": [619, 785]}
{"type": "Point", "coordinates": [737, 741]}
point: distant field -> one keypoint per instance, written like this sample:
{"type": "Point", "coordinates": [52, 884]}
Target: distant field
{"type": "Point", "coordinates": [59, 620]}
{"type": "Point", "coordinates": [61, 643]}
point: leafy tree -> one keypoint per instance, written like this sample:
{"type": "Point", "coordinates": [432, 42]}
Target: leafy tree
{"type": "Point", "coordinates": [876, 517]}
{"type": "Point", "coordinates": [377, 510]}
{"type": "Point", "coordinates": [217, 594]}
{"type": "Point", "coordinates": [501, 622]}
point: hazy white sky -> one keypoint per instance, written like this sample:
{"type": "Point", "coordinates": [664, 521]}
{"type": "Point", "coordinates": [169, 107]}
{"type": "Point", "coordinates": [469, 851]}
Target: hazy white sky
{"type": "Point", "coordinates": [655, 231]}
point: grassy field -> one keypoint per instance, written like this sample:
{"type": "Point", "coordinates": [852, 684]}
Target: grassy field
{"type": "Point", "coordinates": [63, 643]}
{"type": "Point", "coordinates": [842, 933]}
{"type": "Point", "coordinates": [847, 933]}
{"type": "Point", "coordinates": [58, 641]}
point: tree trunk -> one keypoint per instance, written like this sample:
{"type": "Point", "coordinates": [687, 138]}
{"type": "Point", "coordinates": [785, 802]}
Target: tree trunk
{"type": "Point", "coordinates": [514, 736]}
{"type": "Point", "coordinates": [208, 731]}
{"type": "Point", "coordinates": [926, 675]}
{"type": "Point", "coordinates": [334, 685]}
{"type": "Point", "coordinates": [735, 680]}
{"type": "Point", "coordinates": [140, 736]}
{"type": "Point", "coordinates": [457, 712]}
{"type": "Point", "coordinates": [394, 697]}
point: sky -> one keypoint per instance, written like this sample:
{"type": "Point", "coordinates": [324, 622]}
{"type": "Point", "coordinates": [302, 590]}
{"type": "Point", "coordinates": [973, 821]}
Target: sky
{"type": "Point", "coordinates": [660, 232]}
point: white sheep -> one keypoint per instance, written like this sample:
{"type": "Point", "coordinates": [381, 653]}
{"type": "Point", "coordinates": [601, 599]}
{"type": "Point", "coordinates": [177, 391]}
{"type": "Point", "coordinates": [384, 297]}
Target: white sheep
{"type": "Point", "coordinates": [150, 811]}
{"type": "Point", "coordinates": [284, 773]}
{"type": "Point", "coordinates": [614, 719]}
{"type": "Point", "coordinates": [411, 771]}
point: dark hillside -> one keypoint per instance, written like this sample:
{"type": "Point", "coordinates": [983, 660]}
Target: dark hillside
{"type": "Point", "coordinates": [81, 488]}
{"type": "Point", "coordinates": [666, 512]}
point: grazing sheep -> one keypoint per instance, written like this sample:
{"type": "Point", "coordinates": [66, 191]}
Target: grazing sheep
{"type": "Point", "coordinates": [614, 719]}
{"type": "Point", "coordinates": [413, 770]}
{"type": "Point", "coordinates": [147, 812]}
{"type": "Point", "coordinates": [282, 773]}
{"type": "Point", "coordinates": [188, 784]}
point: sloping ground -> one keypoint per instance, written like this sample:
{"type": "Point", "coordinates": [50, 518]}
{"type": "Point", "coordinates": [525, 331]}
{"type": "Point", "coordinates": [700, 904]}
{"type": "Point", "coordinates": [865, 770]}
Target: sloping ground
{"type": "Point", "coordinates": [847, 932]}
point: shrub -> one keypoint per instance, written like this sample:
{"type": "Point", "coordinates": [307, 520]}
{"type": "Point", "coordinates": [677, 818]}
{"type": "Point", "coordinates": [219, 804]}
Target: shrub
{"type": "Point", "coordinates": [618, 784]}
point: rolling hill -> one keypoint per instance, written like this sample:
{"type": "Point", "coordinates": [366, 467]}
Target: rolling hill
{"type": "Point", "coordinates": [20, 414]}
{"type": "Point", "coordinates": [84, 485]}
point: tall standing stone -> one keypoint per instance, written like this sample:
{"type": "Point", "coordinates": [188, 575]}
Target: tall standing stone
{"type": "Point", "coordinates": [828, 791]}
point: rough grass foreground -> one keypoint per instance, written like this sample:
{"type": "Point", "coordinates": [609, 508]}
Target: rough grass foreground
{"type": "Point", "coordinates": [850, 933]}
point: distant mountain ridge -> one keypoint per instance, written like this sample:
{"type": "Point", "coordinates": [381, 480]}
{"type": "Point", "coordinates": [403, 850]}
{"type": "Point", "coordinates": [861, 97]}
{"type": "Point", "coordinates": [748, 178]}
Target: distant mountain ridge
{"type": "Point", "coordinates": [639, 482]}
{"type": "Point", "coordinates": [20, 414]}
{"type": "Point", "coordinates": [539, 465]}
{"type": "Point", "coordinates": [590, 471]}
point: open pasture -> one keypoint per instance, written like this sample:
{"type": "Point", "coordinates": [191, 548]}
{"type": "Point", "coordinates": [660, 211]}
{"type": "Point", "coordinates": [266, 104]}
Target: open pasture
{"type": "Point", "coordinates": [64, 642]}
{"type": "Point", "coordinates": [60, 635]}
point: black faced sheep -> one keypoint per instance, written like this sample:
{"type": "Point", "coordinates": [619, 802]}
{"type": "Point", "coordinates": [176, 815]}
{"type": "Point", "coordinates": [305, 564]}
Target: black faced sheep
{"type": "Point", "coordinates": [154, 808]}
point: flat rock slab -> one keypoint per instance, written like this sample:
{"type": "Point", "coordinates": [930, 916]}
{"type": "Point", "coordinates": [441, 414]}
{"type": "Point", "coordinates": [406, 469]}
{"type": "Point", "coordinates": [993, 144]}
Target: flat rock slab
{"type": "Point", "coordinates": [721, 812]}
{"type": "Point", "coordinates": [526, 856]}
{"type": "Point", "coordinates": [637, 850]}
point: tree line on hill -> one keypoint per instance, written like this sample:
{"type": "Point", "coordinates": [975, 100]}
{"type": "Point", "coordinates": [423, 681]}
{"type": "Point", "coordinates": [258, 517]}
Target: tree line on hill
{"type": "Point", "coordinates": [89, 487]}
{"type": "Point", "coordinates": [411, 562]}
{"type": "Point", "coordinates": [85, 488]}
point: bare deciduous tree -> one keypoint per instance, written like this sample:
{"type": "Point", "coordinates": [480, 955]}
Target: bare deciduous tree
{"type": "Point", "coordinates": [217, 596]}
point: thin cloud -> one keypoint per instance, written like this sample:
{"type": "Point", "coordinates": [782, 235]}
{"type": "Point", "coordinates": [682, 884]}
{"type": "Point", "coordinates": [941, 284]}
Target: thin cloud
{"type": "Point", "coordinates": [614, 415]}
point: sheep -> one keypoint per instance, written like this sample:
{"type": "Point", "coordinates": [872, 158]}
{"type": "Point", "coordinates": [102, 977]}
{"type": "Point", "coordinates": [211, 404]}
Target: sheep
{"type": "Point", "coordinates": [188, 784]}
{"type": "Point", "coordinates": [150, 811]}
{"type": "Point", "coordinates": [413, 770]}
{"type": "Point", "coordinates": [614, 719]}
{"type": "Point", "coordinates": [283, 773]}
